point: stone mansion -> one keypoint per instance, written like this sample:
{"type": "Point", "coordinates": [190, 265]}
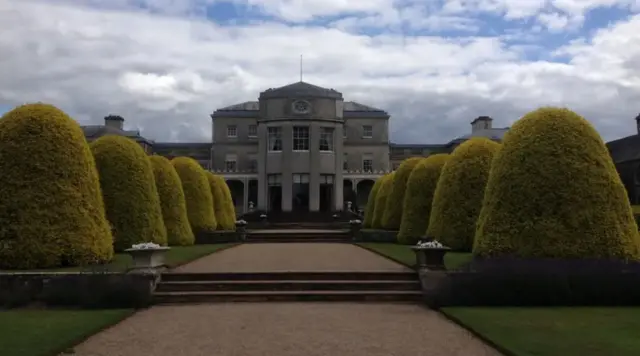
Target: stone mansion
{"type": "Point", "coordinates": [299, 147]}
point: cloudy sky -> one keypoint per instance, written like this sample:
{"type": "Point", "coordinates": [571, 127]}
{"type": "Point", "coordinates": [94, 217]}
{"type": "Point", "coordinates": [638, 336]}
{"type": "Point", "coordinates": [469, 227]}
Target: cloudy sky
{"type": "Point", "coordinates": [434, 65]}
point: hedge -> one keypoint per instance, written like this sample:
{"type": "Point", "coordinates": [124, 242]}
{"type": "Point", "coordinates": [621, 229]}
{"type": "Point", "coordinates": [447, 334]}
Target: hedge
{"type": "Point", "coordinates": [393, 212]}
{"type": "Point", "coordinates": [129, 192]}
{"type": "Point", "coordinates": [381, 199]}
{"type": "Point", "coordinates": [371, 204]}
{"type": "Point", "coordinates": [51, 208]}
{"type": "Point", "coordinates": [172, 202]}
{"type": "Point", "coordinates": [553, 192]}
{"type": "Point", "coordinates": [197, 193]}
{"type": "Point", "coordinates": [458, 196]}
{"type": "Point", "coordinates": [418, 198]}
{"type": "Point", "coordinates": [225, 215]}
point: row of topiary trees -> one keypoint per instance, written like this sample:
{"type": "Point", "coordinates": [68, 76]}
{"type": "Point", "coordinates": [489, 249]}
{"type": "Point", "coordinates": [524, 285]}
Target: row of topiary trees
{"type": "Point", "coordinates": [550, 190]}
{"type": "Point", "coordinates": [64, 202]}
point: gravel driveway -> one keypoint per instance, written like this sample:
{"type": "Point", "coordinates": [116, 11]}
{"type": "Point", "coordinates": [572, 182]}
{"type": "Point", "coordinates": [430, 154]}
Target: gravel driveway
{"type": "Point", "coordinates": [286, 329]}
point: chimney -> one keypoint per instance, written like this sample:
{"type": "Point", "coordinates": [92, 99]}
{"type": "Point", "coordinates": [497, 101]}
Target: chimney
{"type": "Point", "coordinates": [638, 123]}
{"type": "Point", "coordinates": [115, 121]}
{"type": "Point", "coordinates": [481, 123]}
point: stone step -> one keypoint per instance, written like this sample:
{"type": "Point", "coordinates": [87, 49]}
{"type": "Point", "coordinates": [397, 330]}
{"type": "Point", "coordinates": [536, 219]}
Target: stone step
{"type": "Point", "coordinates": [286, 296]}
{"type": "Point", "coordinates": [297, 240]}
{"type": "Point", "coordinates": [341, 285]}
{"type": "Point", "coordinates": [293, 276]}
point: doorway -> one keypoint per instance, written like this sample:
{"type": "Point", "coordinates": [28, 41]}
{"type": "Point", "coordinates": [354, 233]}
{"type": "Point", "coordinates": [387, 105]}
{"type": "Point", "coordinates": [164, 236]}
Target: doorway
{"type": "Point", "coordinates": [326, 193]}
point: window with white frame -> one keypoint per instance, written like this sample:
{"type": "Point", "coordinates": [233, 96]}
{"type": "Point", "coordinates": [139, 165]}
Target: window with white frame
{"type": "Point", "coordinates": [275, 139]}
{"type": "Point", "coordinates": [253, 162]}
{"type": "Point", "coordinates": [367, 162]}
{"type": "Point", "coordinates": [274, 180]}
{"type": "Point", "coordinates": [367, 131]}
{"type": "Point", "coordinates": [344, 131]}
{"type": "Point", "coordinates": [253, 130]}
{"type": "Point", "coordinates": [232, 131]}
{"type": "Point", "coordinates": [301, 138]}
{"type": "Point", "coordinates": [231, 162]}
{"type": "Point", "coordinates": [345, 162]}
{"type": "Point", "coordinates": [326, 138]}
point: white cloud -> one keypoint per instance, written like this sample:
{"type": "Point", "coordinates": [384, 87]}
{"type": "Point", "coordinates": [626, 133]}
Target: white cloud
{"type": "Point", "coordinates": [166, 74]}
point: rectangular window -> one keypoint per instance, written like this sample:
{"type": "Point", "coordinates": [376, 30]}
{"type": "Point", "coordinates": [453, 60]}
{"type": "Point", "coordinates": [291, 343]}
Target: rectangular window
{"type": "Point", "coordinates": [274, 180]}
{"type": "Point", "coordinates": [367, 162]}
{"type": "Point", "coordinates": [253, 165]}
{"type": "Point", "coordinates": [253, 130]}
{"type": "Point", "coordinates": [275, 139]}
{"type": "Point", "coordinates": [367, 131]}
{"type": "Point", "coordinates": [231, 163]}
{"type": "Point", "coordinates": [301, 138]}
{"type": "Point", "coordinates": [345, 162]}
{"type": "Point", "coordinates": [232, 131]}
{"type": "Point", "coordinates": [326, 138]}
{"type": "Point", "coordinates": [344, 131]}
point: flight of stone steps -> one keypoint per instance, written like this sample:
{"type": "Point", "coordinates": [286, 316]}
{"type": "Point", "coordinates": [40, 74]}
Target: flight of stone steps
{"type": "Point", "coordinates": [295, 235]}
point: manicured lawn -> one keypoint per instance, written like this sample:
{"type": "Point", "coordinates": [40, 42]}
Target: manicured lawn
{"type": "Point", "coordinates": [403, 254]}
{"type": "Point", "coordinates": [176, 256]}
{"type": "Point", "coordinates": [557, 331]}
{"type": "Point", "coordinates": [50, 332]}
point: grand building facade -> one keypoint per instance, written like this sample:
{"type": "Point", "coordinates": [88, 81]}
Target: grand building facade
{"type": "Point", "coordinates": [299, 147]}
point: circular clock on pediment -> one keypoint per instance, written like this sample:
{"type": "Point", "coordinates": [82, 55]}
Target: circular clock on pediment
{"type": "Point", "coordinates": [301, 107]}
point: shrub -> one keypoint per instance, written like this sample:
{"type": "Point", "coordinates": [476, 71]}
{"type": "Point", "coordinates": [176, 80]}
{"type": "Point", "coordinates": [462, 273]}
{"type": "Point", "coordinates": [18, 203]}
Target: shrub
{"type": "Point", "coordinates": [458, 196]}
{"type": "Point", "coordinates": [51, 209]}
{"type": "Point", "coordinates": [381, 199]}
{"type": "Point", "coordinates": [225, 216]}
{"type": "Point", "coordinates": [371, 204]}
{"type": "Point", "coordinates": [393, 211]}
{"type": "Point", "coordinates": [418, 198]}
{"type": "Point", "coordinates": [197, 194]}
{"type": "Point", "coordinates": [129, 190]}
{"type": "Point", "coordinates": [553, 192]}
{"type": "Point", "coordinates": [231, 209]}
{"type": "Point", "coordinates": [172, 202]}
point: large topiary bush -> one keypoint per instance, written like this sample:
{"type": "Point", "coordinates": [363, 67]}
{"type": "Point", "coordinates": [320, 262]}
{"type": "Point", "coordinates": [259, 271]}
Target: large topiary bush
{"type": "Point", "coordinates": [393, 212]}
{"type": "Point", "coordinates": [371, 204]}
{"type": "Point", "coordinates": [172, 202]}
{"type": "Point", "coordinates": [458, 196]}
{"type": "Point", "coordinates": [51, 208]}
{"type": "Point", "coordinates": [416, 208]}
{"type": "Point", "coordinates": [381, 199]}
{"type": "Point", "coordinates": [129, 190]}
{"type": "Point", "coordinates": [553, 192]}
{"type": "Point", "coordinates": [228, 199]}
{"type": "Point", "coordinates": [225, 215]}
{"type": "Point", "coordinates": [197, 192]}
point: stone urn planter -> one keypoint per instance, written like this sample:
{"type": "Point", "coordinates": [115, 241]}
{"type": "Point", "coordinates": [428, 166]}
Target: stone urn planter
{"type": "Point", "coordinates": [354, 228]}
{"type": "Point", "coordinates": [147, 255]}
{"type": "Point", "coordinates": [241, 229]}
{"type": "Point", "coordinates": [430, 255]}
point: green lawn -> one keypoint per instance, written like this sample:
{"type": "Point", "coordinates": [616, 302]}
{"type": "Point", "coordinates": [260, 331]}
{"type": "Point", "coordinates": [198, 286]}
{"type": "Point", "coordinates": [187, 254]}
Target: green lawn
{"type": "Point", "coordinates": [50, 332]}
{"type": "Point", "coordinates": [176, 256]}
{"type": "Point", "coordinates": [403, 254]}
{"type": "Point", "coordinates": [557, 331]}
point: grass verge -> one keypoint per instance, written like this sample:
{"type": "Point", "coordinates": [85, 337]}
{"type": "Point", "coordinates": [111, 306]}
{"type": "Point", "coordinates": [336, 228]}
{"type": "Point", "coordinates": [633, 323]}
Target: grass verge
{"type": "Point", "coordinates": [51, 332]}
{"type": "Point", "coordinates": [566, 331]}
{"type": "Point", "coordinates": [404, 255]}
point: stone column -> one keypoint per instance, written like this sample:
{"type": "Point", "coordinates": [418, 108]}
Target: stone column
{"type": "Point", "coordinates": [338, 184]}
{"type": "Point", "coordinates": [262, 167]}
{"type": "Point", "coordinates": [314, 168]}
{"type": "Point", "coordinates": [287, 153]}
{"type": "Point", "coordinates": [245, 195]}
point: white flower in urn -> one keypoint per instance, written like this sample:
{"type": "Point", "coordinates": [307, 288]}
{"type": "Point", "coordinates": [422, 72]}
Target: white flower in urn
{"type": "Point", "coordinates": [335, 215]}
{"type": "Point", "coordinates": [355, 222]}
{"type": "Point", "coordinates": [263, 216]}
{"type": "Point", "coordinates": [430, 244]}
{"type": "Point", "coordinates": [145, 246]}
{"type": "Point", "coordinates": [241, 222]}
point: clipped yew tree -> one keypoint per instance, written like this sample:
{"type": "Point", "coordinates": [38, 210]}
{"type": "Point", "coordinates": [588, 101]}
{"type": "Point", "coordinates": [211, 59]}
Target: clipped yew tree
{"type": "Point", "coordinates": [371, 204]}
{"type": "Point", "coordinates": [51, 208]}
{"type": "Point", "coordinates": [202, 216]}
{"type": "Point", "coordinates": [224, 218]}
{"type": "Point", "coordinates": [172, 202]}
{"type": "Point", "coordinates": [392, 215]}
{"type": "Point", "coordinates": [553, 192]}
{"type": "Point", "coordinates": [129, 190]}
{"type": "Point", "coordinates": [458, 196]}
{"type": "Point", "coordinates": [416, 208]}
{"type": "Point", "coordinates": [381, 199]}
{"type": "Point", "coordinates": [228, 201]}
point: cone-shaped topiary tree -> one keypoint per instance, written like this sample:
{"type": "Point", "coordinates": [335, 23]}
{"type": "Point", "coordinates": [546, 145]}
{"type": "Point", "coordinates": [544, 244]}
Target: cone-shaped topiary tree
{"type": "Point", "coordinates": [418, 198]}
{"type": "Point", "coordinates": [393, 212]}
{"type": "Point", "coordinates": [553, 192]}
{"type": "Point", "coordinates": [129, 191]}
{"type": "Point", "coordinates": [51, 208]}
{"type": "Point", "coordinates": [371, 204]}
{"type": "Point", "coordinates": [228, 201]}
{"type": "Point", "coordinates": [172, 202]}
{"type": "Point", "coordinates": [220, 204]}
{"type": "Point", "coordinates": [458, 197]}
{"type": "Point", "coordinates": [197, 192]}
{"type": "Point", "coordinates": [381, 199]}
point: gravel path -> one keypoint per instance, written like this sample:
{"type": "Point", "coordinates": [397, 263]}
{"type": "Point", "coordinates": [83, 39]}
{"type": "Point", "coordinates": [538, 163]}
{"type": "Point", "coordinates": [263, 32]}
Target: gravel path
{"type": "Point", "coordinates": [276, 257]}
{"type": "Point", "coordinates": [280, 329]}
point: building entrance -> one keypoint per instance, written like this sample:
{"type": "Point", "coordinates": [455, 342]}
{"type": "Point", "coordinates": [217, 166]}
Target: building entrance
{"type": "Point", "coordinates": [300, 192]}
{"type": "Point", "coordinates": [274, 193]}
{"type": "Point", "coordinates": [326, 192]}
